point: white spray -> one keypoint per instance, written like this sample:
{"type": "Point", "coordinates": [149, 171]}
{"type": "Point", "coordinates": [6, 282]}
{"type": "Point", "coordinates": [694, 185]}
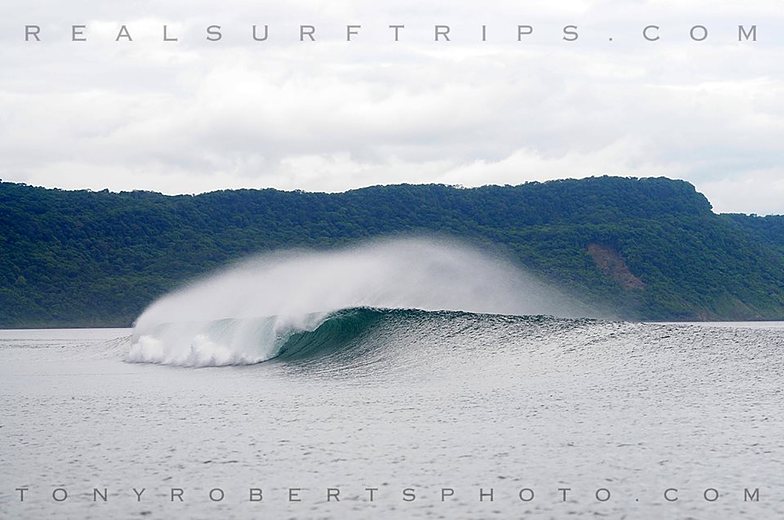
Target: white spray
{"type": "Point", "coordinates": [242, 315]}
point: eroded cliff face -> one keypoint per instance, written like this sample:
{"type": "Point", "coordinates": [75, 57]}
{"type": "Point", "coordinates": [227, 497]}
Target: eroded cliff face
{"type": "Point", "coordinates": [612, 264]}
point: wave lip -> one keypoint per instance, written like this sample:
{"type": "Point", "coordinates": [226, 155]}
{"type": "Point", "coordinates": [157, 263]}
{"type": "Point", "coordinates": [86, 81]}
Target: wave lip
{"type": "Point", "coordinates": [332, 335]}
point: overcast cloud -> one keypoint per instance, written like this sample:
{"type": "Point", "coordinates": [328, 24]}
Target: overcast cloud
{"type": "Point", "coordinates": [193, 116]}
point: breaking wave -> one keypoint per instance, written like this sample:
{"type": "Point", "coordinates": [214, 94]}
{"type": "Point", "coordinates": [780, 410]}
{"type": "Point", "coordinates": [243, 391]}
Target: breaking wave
{"type": "Point", "coordinates": [300, 304]}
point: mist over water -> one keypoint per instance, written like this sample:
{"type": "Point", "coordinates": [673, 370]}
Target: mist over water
{"type": "Point", "coordinates": [245, 314]}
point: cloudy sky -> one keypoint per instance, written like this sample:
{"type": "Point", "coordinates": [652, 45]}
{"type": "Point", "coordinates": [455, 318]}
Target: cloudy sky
{"type": "Point", "coordinates": [192, 115]}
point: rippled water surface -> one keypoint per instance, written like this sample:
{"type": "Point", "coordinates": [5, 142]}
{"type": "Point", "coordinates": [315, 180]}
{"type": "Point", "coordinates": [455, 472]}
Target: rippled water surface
{"type": "Point", "coordinates": [424, 401]}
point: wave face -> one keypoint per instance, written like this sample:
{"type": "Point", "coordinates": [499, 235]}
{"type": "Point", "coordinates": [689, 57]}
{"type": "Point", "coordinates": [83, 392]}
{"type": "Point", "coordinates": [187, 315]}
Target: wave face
{"type": "Point", "coordinates": [299, 304]}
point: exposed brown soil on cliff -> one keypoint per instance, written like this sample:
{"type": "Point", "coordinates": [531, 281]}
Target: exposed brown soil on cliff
{"type": "Point", "coordinates": [613, 265]}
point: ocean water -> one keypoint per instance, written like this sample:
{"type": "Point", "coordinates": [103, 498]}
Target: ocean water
{"type": "Point", "coordinates": [446, 407]}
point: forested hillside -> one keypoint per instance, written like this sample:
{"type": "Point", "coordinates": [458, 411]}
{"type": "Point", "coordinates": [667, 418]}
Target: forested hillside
{"type": "Point", "coordinates": [768, 229]}
{"type": "Point", "coordinates": [648, 248]}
